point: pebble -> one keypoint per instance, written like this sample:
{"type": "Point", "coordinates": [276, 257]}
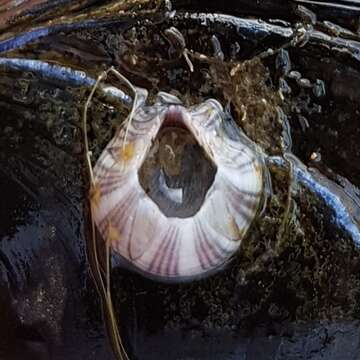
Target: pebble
{"type": "Point", "coordinates": [315, 156]}
{"type": "Point", "coordinates": [175, 37]}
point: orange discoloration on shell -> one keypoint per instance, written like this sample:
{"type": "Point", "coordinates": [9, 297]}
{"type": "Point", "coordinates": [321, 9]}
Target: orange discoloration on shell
{"type": "Point", "coordinates": [234, 229]}
{"type": "Point", "coordinates": [258, 169]}
{"type": "Point", "coordinates": [112, 234]}
{"type": "Point", "coordinates": [95, 195]}
{"type": "Point", "coordinates": [127, 152]}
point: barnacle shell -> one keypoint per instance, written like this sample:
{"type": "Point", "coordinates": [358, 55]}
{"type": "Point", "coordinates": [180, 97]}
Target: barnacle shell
{"type": "Point", "coordinates": [169, 247]}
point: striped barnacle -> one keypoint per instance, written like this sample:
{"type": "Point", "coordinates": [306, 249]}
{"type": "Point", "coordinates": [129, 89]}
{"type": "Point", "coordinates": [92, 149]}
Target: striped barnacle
{"type": "Point", "coordinates": [177, 192]}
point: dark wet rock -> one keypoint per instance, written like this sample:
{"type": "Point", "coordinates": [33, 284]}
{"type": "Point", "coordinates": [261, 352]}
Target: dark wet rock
{"type": "Point", "coordinates": [291, 293]}
{"type": "Point", "coordinates": [47, 296]}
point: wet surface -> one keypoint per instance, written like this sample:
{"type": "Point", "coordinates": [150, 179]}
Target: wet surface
{"type": "Point", "coordinates": [291, 293]}
{"type": "Point", "coordinates": [47, 295]}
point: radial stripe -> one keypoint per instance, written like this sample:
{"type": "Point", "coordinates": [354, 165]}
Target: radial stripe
{"type": "Point", "coordinates": [198, 251]}
{"type": "Point", "coordinates": [105, 177]}
{"type": "Point", "coordinates": [131, 236]}
{"type": "Point", "coordinates": [175, 270]}
{"type": "Point", "coordinates": [172, 254]}
{"type": "Point", "coordinates": [156, 256]}
{"type": "Point", "coordinates": [235, 189]}
{"type": "Point", "coordinates": [155, 264]}
{"type": "Point", "coordinates": [124, 212]}
{"type": "Point", "coordinates": [221, 251]}
{"type": "Point", "coordinates": [115, 212]}
{"type": "Point", "coordinates": [247, 201]}
{"type": "Point", "coordinates": [203, 250]}
{"type": "Point", "coordinates": [108, 188]}
{"type": "Point", "coordinates": [100, 167]}
{"type": "Point", "coordinates": [240, 209]}
{"type": "Point", "coordinates": [166, 259]}
{"type": "Point", "coordinates": [216, 255]}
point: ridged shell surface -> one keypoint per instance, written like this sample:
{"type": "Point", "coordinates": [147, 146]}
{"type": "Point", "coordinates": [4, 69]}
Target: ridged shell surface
{"type": "Point", "coordinates": [174, 248]}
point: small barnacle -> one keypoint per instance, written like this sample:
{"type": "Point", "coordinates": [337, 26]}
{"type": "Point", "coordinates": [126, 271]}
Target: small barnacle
{"type": "Point", "coordinates": [306, 14]}
{"type": "Point", "coordinates": [175, 38]}
{"type": "Point", "coordinates": [282, 62]}
{"type": "Point", "coordinates": [319, 88]}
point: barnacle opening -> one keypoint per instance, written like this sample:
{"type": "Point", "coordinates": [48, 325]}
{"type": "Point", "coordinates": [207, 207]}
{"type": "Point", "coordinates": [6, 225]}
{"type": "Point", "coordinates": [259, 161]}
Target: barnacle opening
{"type": "Point", "coordinates": [176, 173]}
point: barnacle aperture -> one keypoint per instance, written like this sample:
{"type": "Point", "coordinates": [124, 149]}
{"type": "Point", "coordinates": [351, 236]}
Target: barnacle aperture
{"type": "Point", "coordinates": [177, 196]}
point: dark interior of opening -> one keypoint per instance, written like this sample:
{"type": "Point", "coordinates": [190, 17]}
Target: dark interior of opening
{"type": "Point", "coordinates": [176, 173]}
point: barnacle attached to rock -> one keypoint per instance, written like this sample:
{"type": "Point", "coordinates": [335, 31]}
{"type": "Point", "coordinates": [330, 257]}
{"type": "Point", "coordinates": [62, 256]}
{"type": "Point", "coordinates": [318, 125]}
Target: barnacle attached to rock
{"type": "Point", "coordinates": [177, 191]}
